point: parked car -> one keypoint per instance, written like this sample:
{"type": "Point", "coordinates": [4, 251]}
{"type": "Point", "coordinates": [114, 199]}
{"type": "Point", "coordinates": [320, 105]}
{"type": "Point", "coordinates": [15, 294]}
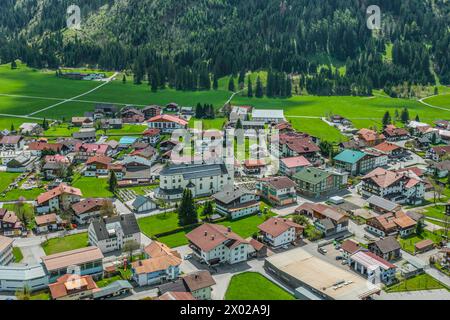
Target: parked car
{"type": "Point", "coordinates": [322, 250]}
{"type": "Point", "coordinates": [339, 258]}
{"type": "Point", "coordinates": [285, 247]}
{"type": "Point", "coordinates": [188, 256]}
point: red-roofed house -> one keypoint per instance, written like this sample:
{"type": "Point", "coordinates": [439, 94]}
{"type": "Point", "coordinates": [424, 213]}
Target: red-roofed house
{"type": "Point", "coordinates": [73, 287]}
{"type": "Point", "coordinates": [291, 166]}
{"type": "Point", "coordinates": [167, 123]}
{"type": "Point", "coordinates": [391, 149]}
{"type": "Point", "coordinates": [215, 244]}
{"type": "Point", "coordinates": [370, 137]}
{"type": "Point", "coordinates": [254, 166]}
{"type": "Point", "coordinates": [97, 166]}
{"type": "Point", "coordinates": [59, 198]}
{"type": "Point", "coordinates": [280, 231]}
{"type": "Point", "coordinates": [37, 148]}
{"type": "Point", "coordinates": [86, 150]}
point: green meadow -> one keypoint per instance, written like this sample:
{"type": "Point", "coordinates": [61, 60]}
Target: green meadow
{"type": "Point", "coordinates": [25, 90]}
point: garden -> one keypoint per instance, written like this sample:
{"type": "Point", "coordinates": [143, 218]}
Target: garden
{"type": "Point", "coordinates": [254, 286]}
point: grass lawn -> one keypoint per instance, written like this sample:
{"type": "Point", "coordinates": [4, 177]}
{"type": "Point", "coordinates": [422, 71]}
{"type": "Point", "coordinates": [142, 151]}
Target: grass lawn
{"type": "Point", "coordinates": [92, 187]}
{"type": "Point", "coordinates": [160, 223]}
{"type": "Point", "coordinates": [127, 129]}
{"type": "Point", "coordinates": [437, 212]}
{"type": "Point", "coordinates": [439, 101]}
{"type": "Point", "coordinates": [43, 88]}
{"type": "Point", "coordinates": [17, 253]}
{"type": "Point", "coordinates": [209, 124]}
{"type": "Point", "coordinates": [6, 178]}
{"type": "Point", "coordinates": [106, 281]}
{"type": "Point", "coordinates": [246, 227]}
{"type": "Point", "coordinates": [254, 286]}
{"type": "Point", "coordinates": [408, 243]}
{"type": "Point", "coordinates": [420, 282]}
{"type": "Point", "coordinates": [39, 85]}
{"type": "Point", "coordinates": [42, 295]}
{"type": "Point", "coordinates": [62, 130]}
{"type": "Point", "coordinates": [15, 194]}
{"type": "Point", "coordinates": [67, 243]}
{"type": "Point", "coordinates": [176, 239]}
{"type": "Point", "coordinates": [317, 128]}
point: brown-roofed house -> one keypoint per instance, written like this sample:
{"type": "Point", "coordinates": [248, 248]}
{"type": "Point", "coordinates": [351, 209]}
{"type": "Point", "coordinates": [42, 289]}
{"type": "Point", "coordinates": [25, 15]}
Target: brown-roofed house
{"type": "Point", "coordinates": [392, 223]}
{"type": "Point", "coordinates": [280, 231]}
{"type": "Point", "coordinates": [6, 250]}
{"type": "Point", "coordinates": [424, 245]}
{"type": "Point", "coordinates": [216, 244]}
{"type": "Point", "coordinates": [89, 209]}
{"type": "Point", "coordinates": [61, 197]}
{"type": "Point", "coordinates": [279, 191]}
{"type": "Point", "coordinates": [89, 259]}
{"type": "Point", "coordinates": [47, 223]}
{"type": "Point", "coordinates": [72, 287]}
{"type": "Point", "coordinates": [370, 137]}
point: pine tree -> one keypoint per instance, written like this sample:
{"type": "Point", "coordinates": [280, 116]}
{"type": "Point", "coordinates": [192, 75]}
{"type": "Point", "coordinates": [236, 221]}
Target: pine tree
{"type": "Point", "coordinates": [208, 210]}
{"type": "Point", "coordinates": [404, 115]}
{"type": "Point", "coordinates": [187, 214]}
{"type": "Point", "coordinates": [154, 81]}
{"type": "Point", "coordinates": [434, 138]}
{"type": "Point", "coordinates": [241, 79]}
{"type": "Point", "coordinates": [249, 88]}
{"type": "Point", "coordinates": [113, 182]}
{"type": "Point", "coordinates": [215, 82]}
{"type": "Point", "coordinates": [386, 119]}
{"type": "Point", "coordinates": [231, 86]}
{"type": "Point", "coordinates": [417, 118]}
{"type": "Point", "coordinates": [239, 124]}
{"type": "Point", "coordinates": [12, 127]}
{"type": "Point", "coordinates": [124, 79]}
{"type": "Point", "coordinates": [199, 112]}
{"type": "Point", "coordinates": [13, 64]}
{"type": "Point", "coordinates": [259, 92]}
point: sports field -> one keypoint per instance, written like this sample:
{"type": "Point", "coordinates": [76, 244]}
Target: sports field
{"type": "Point", "coordinates": [40, 94]}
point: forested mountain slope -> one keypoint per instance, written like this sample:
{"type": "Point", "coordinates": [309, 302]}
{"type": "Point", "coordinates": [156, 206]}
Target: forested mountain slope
{"type": "Point", "coordinates": [183, 39]}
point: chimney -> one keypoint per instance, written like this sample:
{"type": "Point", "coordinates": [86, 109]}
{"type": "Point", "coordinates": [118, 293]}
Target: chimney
{"type": "Point", "coordinates": [206, 233]}
{"type": "Point", "coordinates": [229, 229]}
{"type": "Point", "coordinates": [212, 237]}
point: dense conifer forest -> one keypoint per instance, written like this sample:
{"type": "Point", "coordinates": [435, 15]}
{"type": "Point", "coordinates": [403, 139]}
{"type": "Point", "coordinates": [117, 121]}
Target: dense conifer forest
{"type": "Point", "coordinates": [189, 44]}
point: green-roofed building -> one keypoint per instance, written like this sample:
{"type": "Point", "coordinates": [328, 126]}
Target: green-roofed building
{"type": "Point", "coordinates": [315, 182]}
{"type": "Point", "coordinates": [355, 162]}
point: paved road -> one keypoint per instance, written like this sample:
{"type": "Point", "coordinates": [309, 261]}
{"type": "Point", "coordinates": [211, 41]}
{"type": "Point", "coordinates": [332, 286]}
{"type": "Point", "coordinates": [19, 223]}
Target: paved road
{"type": "Point", "coordinates": [415, 295]}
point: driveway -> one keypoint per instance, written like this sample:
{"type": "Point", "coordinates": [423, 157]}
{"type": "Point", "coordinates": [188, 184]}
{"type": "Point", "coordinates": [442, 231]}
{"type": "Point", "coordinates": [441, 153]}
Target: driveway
{"type": "Point", "coordinates": [120, 207]}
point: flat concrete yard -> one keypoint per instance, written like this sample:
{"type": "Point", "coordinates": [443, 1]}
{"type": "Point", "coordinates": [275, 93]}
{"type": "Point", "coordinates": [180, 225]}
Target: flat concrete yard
{"type": "Point", "coordinates": [322, 276]}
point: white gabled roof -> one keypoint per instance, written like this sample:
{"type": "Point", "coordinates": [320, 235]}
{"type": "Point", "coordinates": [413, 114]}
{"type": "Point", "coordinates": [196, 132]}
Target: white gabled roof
{"type": "Point", "coordinates": [266, 113]}
{"type": "Point", "coordinates": [16, 272]}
